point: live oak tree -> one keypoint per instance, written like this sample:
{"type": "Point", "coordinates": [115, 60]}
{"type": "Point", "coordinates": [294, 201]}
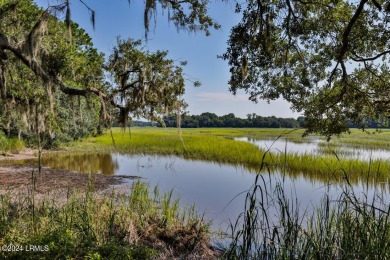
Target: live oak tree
{"type": "Point", "coordinates": [145, 84]}
{"type": "Point", "coordinates": [328, 58]}
{"type": "Point", "coordinates": [31, 101]}
{"type": "Point", "coordinates": [45, 63]}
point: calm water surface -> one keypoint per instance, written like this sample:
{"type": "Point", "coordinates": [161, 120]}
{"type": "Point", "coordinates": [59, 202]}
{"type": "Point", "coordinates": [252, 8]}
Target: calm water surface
{"type": "Point", "coordinates": [212, 187]}
{"type": "Point", "coordinates": [314, 147]}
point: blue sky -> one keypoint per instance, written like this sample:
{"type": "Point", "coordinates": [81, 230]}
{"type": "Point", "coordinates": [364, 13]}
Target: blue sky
{"type": "Point", "coordinates": [118, 18]}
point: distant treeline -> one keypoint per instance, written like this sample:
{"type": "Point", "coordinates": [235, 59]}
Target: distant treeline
{"type": "Point", "coordinates": [230, 120]}
{"type": "Point", "coordinates": [138, 123]}
{"type": "Point", "coordinates": [370, 124]}
{"type": "Point", "coordinates": [142, 123]}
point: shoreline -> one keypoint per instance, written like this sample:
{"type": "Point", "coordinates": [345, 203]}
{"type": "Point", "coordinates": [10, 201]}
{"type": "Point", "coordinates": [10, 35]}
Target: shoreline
{"type": "Point", "coordinates": [17, 173]}
{"type": "Point", "coordinates": [21, 185]}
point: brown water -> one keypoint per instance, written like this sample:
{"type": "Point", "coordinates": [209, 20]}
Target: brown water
{"type": "Point", "coordinates": [217, 189]}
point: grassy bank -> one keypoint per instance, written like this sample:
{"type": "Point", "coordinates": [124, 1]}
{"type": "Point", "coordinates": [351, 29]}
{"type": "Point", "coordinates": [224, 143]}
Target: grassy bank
{"type": "Point", "coordinates": [217, 145]}
{"type": "Point", "coordinates": [10, 145]}
{"type": "Point", "coordinates": [143, 224]}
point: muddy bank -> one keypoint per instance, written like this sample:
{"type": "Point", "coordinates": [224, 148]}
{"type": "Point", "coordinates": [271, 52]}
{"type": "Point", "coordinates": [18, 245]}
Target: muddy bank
{"type": "Point", "coordinates": [19, 174]}
{"type": "Point", "coordinates": [22, 180]}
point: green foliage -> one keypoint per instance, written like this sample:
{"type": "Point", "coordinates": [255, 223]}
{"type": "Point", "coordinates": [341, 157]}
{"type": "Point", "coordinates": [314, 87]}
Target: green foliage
{"type": "Point", "coordinates": [147, 84]}
{"type": "Point", "coordinates": [230, 120]}
{"type": "Point", "coordinates": [54, 87]}
{"type": "Point", "coordinates": [90, 226]}
{"type": "Point", "coordinates": [186, 15]}
{"type": "Point", "coordinates": [29, 103]}
{"type": "Point", "coordinates": [329, 59]}
{"type": "Point", "coordinates": [13, 145]}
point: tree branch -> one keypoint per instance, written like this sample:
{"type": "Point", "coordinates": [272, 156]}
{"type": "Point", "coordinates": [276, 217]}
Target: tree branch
{"type": "Point", "coordinates": [377, 5]}
{"type": "Point", "coordinates": [361, 59]}
{"type": "Point", "coordinates": [17, 50]}
{"type": "Point", "coordinates": [345, 40]}
{"type": "Point", "coordinates": [124, 88]}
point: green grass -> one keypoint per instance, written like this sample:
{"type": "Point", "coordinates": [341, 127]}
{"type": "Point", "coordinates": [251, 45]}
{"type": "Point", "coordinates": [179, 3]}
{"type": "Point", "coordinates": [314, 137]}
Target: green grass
{"type": "Point", "coordinates": [140, 225]}
{"type": "Point", "coordinates": [217, 145]}
{"type": "Point", "coordinates": [146, 224]}
{"type": "Point", "coordinates": [12, 145]}
{"type": "Point", "coordinates": [371, 139]}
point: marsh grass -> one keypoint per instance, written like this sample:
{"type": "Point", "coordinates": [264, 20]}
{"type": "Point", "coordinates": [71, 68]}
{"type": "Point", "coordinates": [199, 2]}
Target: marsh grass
{"type": "Point", "coordinates": [12, 145]}
{"type": "Point", "coordinates": [275, 226]}
{"type": "Point", "coordinates": [216, 145]}
{"type": "Point", "coordinates": [371, 139]}
{"type": "Point", "coordinates": [141, 224]}
{"type": "Point", "coordinates": [147, 224]}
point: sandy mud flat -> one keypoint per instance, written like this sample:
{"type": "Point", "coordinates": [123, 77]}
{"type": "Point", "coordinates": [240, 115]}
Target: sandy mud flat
{"type": "Point", "coordinates": [19, 177]}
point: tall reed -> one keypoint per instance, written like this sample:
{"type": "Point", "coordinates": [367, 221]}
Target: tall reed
{"type": "Point", "coordinates": [139, 224]}
{"type": "Point", "coordinates": [275, 226]}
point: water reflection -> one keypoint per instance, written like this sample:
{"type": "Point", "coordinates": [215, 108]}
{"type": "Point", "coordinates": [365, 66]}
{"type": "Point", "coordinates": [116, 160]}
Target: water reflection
{"type": "Point", "coordinates": [210, 186]}
{"type": "Point", "coordinates": [87, 163]}
{"type": "Point", "coordinates": [114, 164]}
